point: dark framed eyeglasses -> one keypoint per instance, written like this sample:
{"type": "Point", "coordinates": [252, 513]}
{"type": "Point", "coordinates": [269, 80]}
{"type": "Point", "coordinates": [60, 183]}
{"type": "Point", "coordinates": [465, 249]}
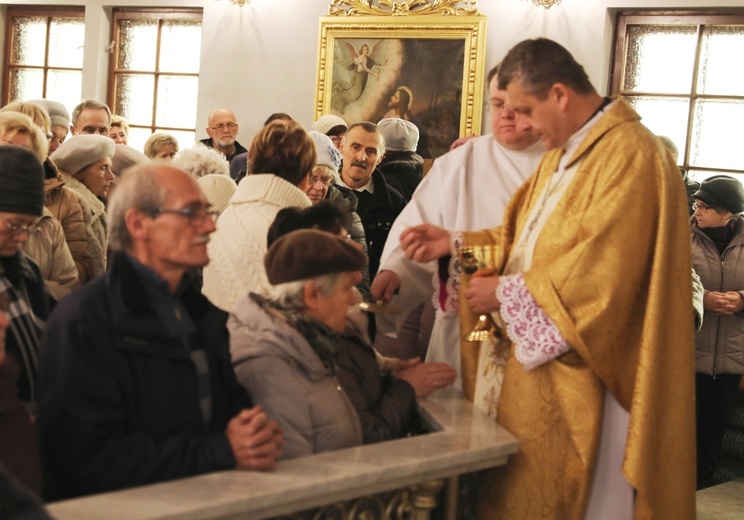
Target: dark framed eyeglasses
{"type": "Point", "coordinates": [196, 217]}
{"type": "Point", "coordinates": [702, 207]}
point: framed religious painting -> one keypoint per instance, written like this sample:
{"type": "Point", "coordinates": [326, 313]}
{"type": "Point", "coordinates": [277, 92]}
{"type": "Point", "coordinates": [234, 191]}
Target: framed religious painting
{"type": "Point", "coordinates": [423, 61]}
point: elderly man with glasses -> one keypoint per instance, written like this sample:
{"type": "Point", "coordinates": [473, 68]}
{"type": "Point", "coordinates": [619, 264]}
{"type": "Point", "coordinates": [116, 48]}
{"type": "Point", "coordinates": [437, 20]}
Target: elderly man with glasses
{"type": "Point", "coordinates": [136, 384]}
{"type": "Point", "coordinates": [222, 129]}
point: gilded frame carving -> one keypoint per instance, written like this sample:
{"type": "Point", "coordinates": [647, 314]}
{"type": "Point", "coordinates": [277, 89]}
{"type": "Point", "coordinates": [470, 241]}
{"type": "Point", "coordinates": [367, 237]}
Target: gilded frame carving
{"type": "Point", "coordinates": [441, 53]}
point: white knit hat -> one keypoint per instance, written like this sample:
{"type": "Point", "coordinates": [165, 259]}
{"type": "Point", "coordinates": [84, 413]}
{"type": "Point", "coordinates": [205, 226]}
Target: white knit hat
{"type": "Point", "coordinates": [218, 189]}
{"type": "Point", "coordinates": [126, 156]}
{"type": "Point", "coordinates": [328, 154]}
{"type": "Point", "coordinates": [325, 123]}
{"type": "Point", "coordinates": [75, 154]}
{"type": "Point", "coordinates": [400, 135]}
{"type": "Point", "coordinates": [57, 112]}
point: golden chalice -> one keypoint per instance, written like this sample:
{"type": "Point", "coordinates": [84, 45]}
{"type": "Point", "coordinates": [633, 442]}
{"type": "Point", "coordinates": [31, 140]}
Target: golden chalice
{"type": "Point", "coordinates": [473, 258]}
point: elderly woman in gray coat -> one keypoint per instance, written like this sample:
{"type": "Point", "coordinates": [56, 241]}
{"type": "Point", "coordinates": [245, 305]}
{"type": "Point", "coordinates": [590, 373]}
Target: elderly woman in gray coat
{"type": "Point", "coordinates": [718, 258]}
{"type": "Point", "coordinates": [284, 347]}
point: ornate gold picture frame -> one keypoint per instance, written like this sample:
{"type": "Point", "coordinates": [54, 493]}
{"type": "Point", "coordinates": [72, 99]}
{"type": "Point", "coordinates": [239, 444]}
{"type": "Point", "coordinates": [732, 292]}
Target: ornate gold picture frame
{"type": "Point", "coordinates": [424, 62]}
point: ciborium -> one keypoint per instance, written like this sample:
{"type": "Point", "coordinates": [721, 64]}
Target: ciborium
{"type": "Point", "coordinates": [473, 259]}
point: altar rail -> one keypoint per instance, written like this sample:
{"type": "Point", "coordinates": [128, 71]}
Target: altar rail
{"type": "Point", "coordinates": [463, 440]}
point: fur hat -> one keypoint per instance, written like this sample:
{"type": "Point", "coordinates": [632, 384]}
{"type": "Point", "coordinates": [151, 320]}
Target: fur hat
{"type": "Point", "coordinates": [308, 253]}
{"type": "Point", "coordinates": [57, 112]}
{"type": "Point", "coordinates": [400, 135]}
{"type": "Point", "coordinates": [82, 150]}
{"type": "Point", "coordinates": [125, 157]}
{"type": "Point", "coordinates": [218, 189]}
{"type": "Point", "coordinates": [22, 179]}
{"type": "Point", "coordinates": [722, 191]}
{"type": "Point", "coordinates": [325, 123]}
{"type": "Point", "coordinates": [328, 154]}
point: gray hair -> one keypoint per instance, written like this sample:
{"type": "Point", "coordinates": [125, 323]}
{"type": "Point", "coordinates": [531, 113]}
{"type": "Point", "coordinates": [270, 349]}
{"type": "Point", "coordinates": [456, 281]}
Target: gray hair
{"type": "Point", "coordinates": [200, 161]}
{"type": "Point", "coordinates": [370, 128]}
{"type": "Point", "coordinates": [139, 189]}
{"type": "Point", "coordinates": [86, 104]}
{"type": "Point", "coordinates": [290, 296]}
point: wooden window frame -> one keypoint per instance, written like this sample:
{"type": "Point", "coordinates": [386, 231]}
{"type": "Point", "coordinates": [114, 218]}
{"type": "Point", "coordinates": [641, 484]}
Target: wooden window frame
{"type": "Point", "coordinates": [160, 15]}
{"type": "Point", "coordinates": [33, 12]}
{"type": "Point", "coordinates": [700, 18]}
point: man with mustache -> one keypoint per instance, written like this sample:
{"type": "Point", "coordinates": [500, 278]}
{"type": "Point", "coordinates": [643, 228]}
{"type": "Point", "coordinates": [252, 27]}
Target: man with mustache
{"type": "Point", "coordinates": [379, 204]}
{"type": "Point", "coordinates": [135, 380]}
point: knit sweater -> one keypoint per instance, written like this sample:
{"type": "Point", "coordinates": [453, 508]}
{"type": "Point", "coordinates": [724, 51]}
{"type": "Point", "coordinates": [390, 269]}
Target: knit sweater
{"type": "Point", "coordinates": [238, 247]}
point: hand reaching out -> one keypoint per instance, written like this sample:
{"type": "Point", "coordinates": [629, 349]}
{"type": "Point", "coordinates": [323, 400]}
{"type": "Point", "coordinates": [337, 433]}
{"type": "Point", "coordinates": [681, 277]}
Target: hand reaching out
{"type": "Point", "coordinates": [425, 242]}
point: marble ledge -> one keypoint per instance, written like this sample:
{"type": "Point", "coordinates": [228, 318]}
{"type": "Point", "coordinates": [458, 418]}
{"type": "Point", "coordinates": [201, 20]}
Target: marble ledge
{"type": "Point", "coordinates": [464, 440]}
{"type": "Point", "coordinates": [721, 502]}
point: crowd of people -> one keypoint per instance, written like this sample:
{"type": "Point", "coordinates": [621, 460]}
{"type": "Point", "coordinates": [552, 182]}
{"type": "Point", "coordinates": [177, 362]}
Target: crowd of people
{"type": "Point", "coordinates": [171, 312]}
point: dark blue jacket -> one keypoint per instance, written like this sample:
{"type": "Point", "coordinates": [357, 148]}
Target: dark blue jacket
{"type": "Point", "coordinates": [118, 395]}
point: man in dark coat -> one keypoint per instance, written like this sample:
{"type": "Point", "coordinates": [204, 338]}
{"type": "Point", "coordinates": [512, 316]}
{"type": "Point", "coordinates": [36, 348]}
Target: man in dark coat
{"type": "Point", "coordinates": [402, 167]}
{"type": "Point", "coordinates": [378, 203]}
{"type": "Point", "coordinates": [222, 129]}
{"type": "Point", "coordinates": [135, 380]}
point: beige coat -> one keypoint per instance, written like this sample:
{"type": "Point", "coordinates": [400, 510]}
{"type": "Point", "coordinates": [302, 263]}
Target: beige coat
{"type": "Point", "coordinates": [94, 216]}
{"type": "Point", "coordinates": [64, 206]}
{"type": "Point", "coordinates": [47, 247]}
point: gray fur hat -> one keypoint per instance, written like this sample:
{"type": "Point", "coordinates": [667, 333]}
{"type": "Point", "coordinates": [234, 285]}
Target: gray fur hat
{"type": "Point", "coordinates": [57, 112]}
{"type": "Point", "coordinates": [75, 154]}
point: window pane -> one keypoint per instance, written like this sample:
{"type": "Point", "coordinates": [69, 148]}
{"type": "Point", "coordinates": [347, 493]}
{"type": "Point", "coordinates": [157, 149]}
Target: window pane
{"type": "Point", "coordinates": [137, 137]}
{"type": "Point", "coordinates": [26, 84]}
{"type": "Point", "coordinates": [134, 97]}
{"type": "Point", "coordinates": [720, 58]}
{"type": "Point", "coordinates": [138, 40]}
{"type": "Point", "coordinates": [180, 45]}
{"type": "Point", "coordinates": [701, 175]}
{"type": "Point", "coordinates": [66, 39]}
{"type": "Point", "coordinates": [185, 139]}
{"type": "Point", "coordinates": [29, 40]}
{"type": "Point", "coordinates": [65, 86]}
{"type": "Point", "coordinates": [660, 58]}
{"type": "Point", "coordinates": [664, 116]}
{"type": "Point", "coordinates": [177, 101]}
{"type": "Point", "coordinates": [714, 145]}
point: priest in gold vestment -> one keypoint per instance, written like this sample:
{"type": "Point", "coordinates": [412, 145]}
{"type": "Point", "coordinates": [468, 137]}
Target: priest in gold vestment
{"type": "Point", "coordinates": [594, 294]}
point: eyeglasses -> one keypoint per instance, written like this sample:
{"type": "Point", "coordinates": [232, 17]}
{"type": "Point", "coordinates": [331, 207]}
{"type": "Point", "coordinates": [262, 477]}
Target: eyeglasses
{"type": "Point", "coordinates": [220, 127]}
{"type": "Point", "coordinates": [325, 181]}
{"type": "Point", "coordinates": [16, 229]}
{"type": "Point", "coordinates": [495, 106]}
{"type": "Point", "coordinates": [702, 207]}
{"type": "Point", "coordinates": [336, 139]}
{"type": "Point", "coordinates": [196, 217]}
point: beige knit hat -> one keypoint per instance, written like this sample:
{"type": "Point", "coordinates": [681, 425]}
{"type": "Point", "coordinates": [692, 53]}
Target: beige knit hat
{"type": "Point", "coordinates": [325, 123]}
{"type": "Point", "coordinates": [218, 189]}
{"type": "Point", "coordinates": [82, 150]}
{"type": "Point", "coordinates": [125, 157]}
{"type": "Point", "coordinates": [57, 112]}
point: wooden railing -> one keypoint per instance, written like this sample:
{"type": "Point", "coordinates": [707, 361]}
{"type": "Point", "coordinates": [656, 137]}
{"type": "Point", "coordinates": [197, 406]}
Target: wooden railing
{"type": "Point", "coordinates": [462, 440]}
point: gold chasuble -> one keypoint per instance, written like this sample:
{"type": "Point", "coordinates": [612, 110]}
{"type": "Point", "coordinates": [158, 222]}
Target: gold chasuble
{"type": "Point", "coordinates": [611, 268]}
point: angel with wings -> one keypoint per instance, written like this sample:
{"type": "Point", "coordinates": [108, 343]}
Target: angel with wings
{"type": "Point", "coordinates": [361, 64]}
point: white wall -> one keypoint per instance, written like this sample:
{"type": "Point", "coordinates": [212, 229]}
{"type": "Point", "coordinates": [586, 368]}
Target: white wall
{"type": "Point", "coordinates": [261, 58]}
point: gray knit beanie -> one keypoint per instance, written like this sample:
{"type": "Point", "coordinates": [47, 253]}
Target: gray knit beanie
{"type": "Point", "coordinates": [722, 191]}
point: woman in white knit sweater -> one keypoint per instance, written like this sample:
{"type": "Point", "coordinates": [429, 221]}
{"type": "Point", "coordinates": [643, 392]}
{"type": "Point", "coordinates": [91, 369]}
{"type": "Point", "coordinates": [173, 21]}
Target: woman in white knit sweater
{"type": "Point", "coordinates": [281, 157]}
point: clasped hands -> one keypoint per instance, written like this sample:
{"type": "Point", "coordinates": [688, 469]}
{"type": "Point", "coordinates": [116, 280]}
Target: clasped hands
{"type": "Point", "coordinates": [256, 440]}
{"type": "Point", "coordinates": [725, 303]}
{"type": "Point", "coordinates": [426, 242]}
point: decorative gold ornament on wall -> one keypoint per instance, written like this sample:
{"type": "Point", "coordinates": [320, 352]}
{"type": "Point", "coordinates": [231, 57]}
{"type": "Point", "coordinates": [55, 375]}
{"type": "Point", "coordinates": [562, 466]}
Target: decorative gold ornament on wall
{"type": "Point", "coordinates": [547, 4]}
{"type": "Point", "coordinates": [402, 7]}
{"type": "Point", "coordinates": [240, 3]}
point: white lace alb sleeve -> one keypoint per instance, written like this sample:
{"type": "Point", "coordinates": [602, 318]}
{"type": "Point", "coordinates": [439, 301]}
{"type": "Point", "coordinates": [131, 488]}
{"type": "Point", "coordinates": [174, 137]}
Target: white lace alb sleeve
{"type": "Point", "coordinates": [536, 338]}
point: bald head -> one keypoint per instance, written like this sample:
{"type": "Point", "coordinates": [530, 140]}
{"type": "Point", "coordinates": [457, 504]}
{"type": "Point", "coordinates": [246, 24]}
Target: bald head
{"type": "Point", "coordinates": [222, 127]}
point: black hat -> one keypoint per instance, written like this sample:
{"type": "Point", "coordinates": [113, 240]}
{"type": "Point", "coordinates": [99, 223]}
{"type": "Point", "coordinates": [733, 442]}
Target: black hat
{"type": "Point", "coordinates": [722, 191]}
{"type": "Point", "coordinates": [21, 182]}
{"type": "Point", "coordinates": [308, 253]}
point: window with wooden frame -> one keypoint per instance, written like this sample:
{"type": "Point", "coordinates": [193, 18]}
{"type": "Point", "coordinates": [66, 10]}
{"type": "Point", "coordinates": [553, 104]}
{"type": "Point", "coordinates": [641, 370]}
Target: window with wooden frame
{"type": "Point", "coordinates": [682, 73]}
{"type": "Point", "coordinates": [44, 54]}
{"type": "Point", "coordinates": [154, 72]}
